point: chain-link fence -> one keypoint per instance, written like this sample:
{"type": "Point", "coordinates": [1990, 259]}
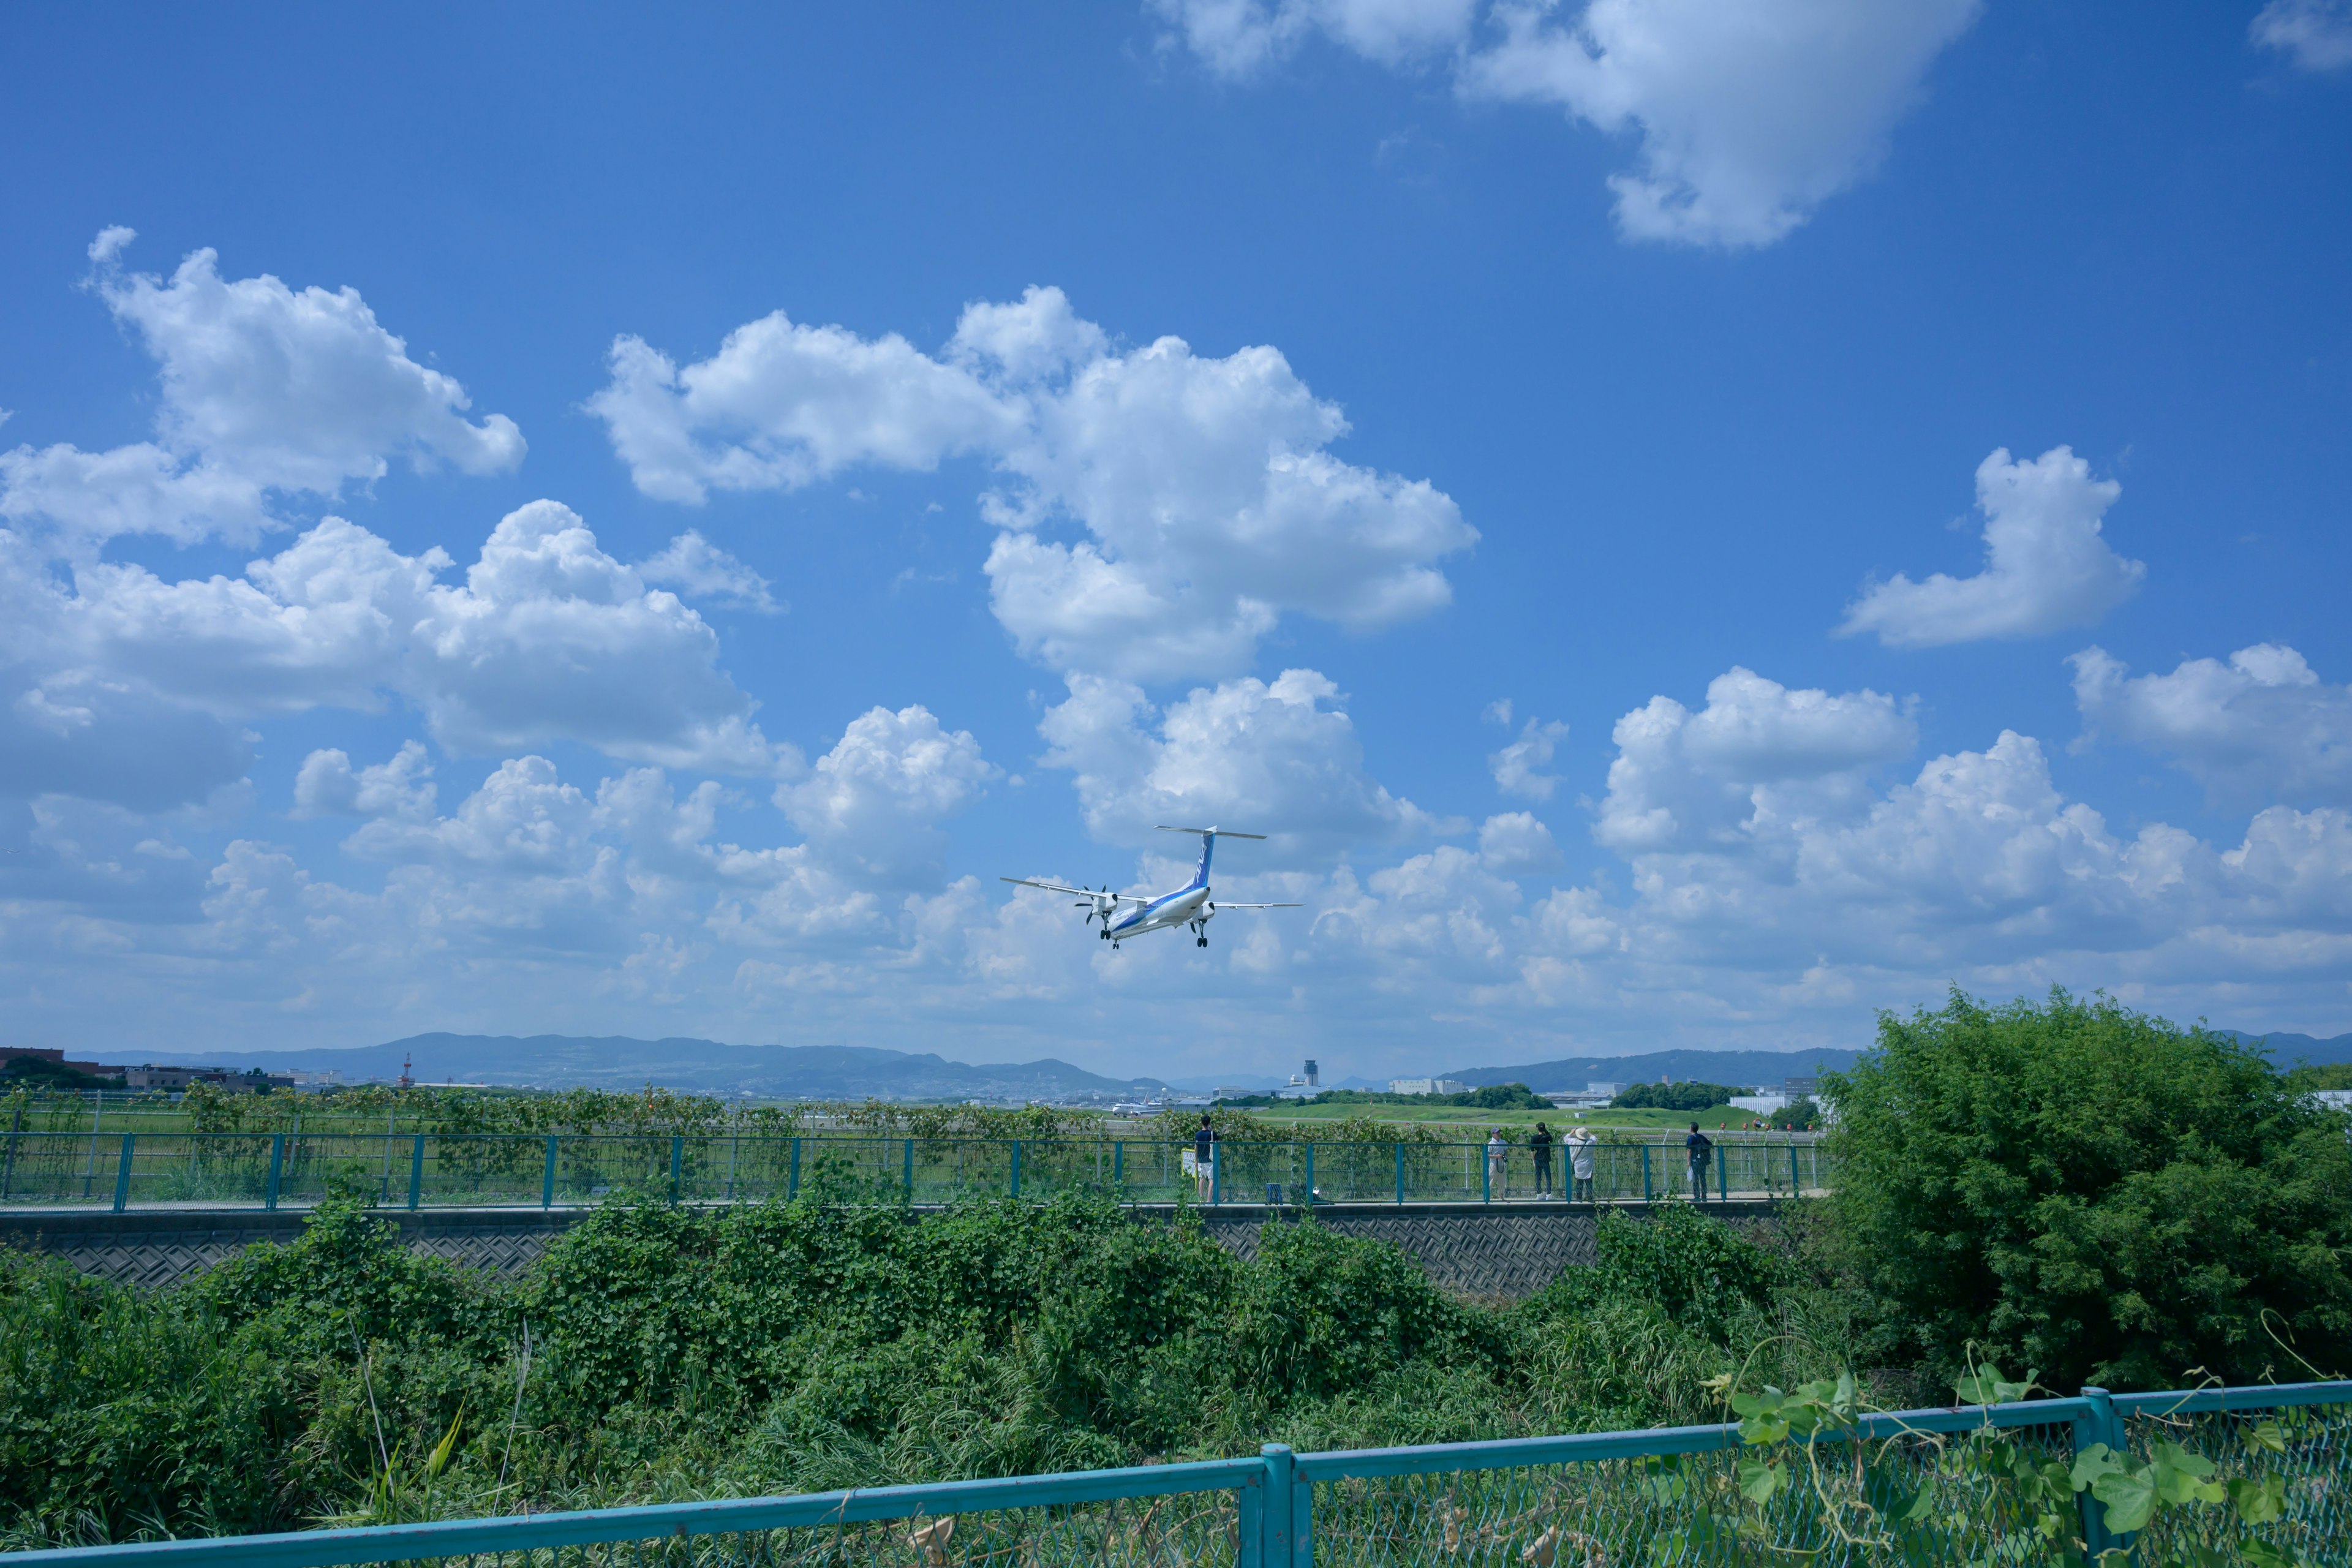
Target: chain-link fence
{"type": "Point", "coordinates": [428, 1170]}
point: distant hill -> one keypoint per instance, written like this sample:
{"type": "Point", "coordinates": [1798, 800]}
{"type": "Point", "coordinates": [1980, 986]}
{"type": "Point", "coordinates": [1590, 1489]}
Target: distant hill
{"type": "Point", "coordinates": [1767, 1069]}
{"type": "Point", "coordinates": [2288, 1049]}
{"type": "Point", "coordinates": [1761, 1069]}
{"type": "Point", "coordinates": [564, 1061]}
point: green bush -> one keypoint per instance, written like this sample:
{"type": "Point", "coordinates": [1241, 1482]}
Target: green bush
{"type": "Point", "coordinates": [2091, 1192]}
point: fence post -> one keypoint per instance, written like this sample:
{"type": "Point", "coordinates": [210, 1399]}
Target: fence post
{"type": "Point", "coordinates": [2099, 1425]}
{"type": "Point", "coordinates": [1017, 1168]}
{"type": "Point", "coordinates": [15, 1130]}
{"type": "Point", "coordinates": [416, 1172]}
{"type": "Point", "coordinates": [1118, 1166]}
{"type": "Point", "coordinates": [1647, 1195]}
{"type": "Point", "coordinates": [1400, 1153]}
{"type": "Point", "coordinates": [793, 1176]}
{"type": "Point", "coordinates": [547, 1182]}
{"type": "Point", "coordinates": [910, 1170]}
{"type": "Point", "coordinates": [1216, 1173]}
{"type": "Point", "coordinates": [1486, 1177]}
{"type": "Point", "coordinates": [123, 1171]}
{"type": "Point", "coordinates": [1249, 1520]}
{"type": "Point", "coordinates": [1796, 1186]}
{"type": "Point", "coordinates": [1310, 1176]}
{"type": "Point", "coordinates": [276, 1164]}
{"type": "Point", "coordinates": [1722, 1173]}
{"type": "Point", "coordinates": [676, 1162]}
{"type": "Point", "coordinates": [1275, 1511]}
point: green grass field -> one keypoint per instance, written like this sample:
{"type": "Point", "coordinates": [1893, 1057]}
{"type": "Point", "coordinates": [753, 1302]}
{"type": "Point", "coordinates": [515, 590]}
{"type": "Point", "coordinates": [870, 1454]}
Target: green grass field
{"type": "Point", "coordinates": [1472, 1120]}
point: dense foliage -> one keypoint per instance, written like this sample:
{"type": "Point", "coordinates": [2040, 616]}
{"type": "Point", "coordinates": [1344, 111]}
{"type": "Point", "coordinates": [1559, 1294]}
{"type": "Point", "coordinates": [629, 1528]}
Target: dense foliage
{"type": "Point", "coordinates": [2083, 1189]}
{"type": "Point", "coordinates": [676, 1352]}
{"type": "Point", "coordinates": [1674, 1097]}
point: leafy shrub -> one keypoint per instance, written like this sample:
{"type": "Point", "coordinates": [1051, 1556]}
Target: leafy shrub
{"type": "Point", "coordinates": [2093, 1193]}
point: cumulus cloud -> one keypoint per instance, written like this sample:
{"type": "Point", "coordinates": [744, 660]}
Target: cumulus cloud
{"type": "Point", "coordinates": [328, 785]}
{"type": "Point", "coordinates": [875, 802]}
{"type": "Point", "coordinates": [548, 639]}
{"type": "Point", "coordinates": [1238, 37]}
{"type": "Point", "coordinates": [1254, 756]}
{"type": "Point", "coordinates": [1756, 759]}
{"type": "Point", "coordinates": [1749, 115]}
{"type": "Point", "coordinates": [1515, 843]}
{"type": "Point", "coordinates": [263, 388]}
{"type": "Point", "coordinates": [1517, 766]}
{"type": "Point", "coordinates": [701, 570]}
{"type": "Point", "coordinates": [2046, 566]}
{"type": "Point", "coordinates": [2316, 34]}
{"type": "Point", "coordinates": [1207, 503]}
{"type": "Point", "coordinates": [293, 391]}
{"type": "Point", "coordinates": [781, 404]}
{"type": "Point", "coordinates": [2262, 726]}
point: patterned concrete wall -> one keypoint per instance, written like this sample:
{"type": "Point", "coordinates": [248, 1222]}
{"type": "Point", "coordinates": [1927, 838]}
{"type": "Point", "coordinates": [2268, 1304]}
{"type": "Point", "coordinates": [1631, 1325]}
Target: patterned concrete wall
{"type": "Point", "coordinates": [1496, 1253]}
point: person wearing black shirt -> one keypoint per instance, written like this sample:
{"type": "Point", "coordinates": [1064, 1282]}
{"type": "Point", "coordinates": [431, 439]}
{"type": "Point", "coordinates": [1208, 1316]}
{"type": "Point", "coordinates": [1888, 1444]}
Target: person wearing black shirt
{"type": "Point", "coordinates": [1540, 1141]}
{"type": "Point", "coordinates": [1205, 1156]}
{"type": "Point", "coordinates": [1702, 1155]}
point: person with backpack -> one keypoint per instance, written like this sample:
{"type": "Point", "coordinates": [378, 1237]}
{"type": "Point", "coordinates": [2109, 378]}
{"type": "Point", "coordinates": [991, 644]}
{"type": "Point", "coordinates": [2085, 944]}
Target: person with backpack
{"type": "Point", "coordinates": [1499, 1153]}
{"type": "Point", "coordinates": [1579, 1163]}
{"type": "Point", "coordinates": [1702, 1157]}
{"type": "Point", "coordinates": [1540, 1142]}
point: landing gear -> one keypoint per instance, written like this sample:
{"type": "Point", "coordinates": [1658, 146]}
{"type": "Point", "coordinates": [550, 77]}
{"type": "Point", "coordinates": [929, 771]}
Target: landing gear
{"type": "Point", "coordinates": [1200, 941]}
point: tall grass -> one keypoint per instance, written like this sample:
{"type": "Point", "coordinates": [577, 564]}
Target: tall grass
{"type": "Point", "coordinates": [676, 1353]}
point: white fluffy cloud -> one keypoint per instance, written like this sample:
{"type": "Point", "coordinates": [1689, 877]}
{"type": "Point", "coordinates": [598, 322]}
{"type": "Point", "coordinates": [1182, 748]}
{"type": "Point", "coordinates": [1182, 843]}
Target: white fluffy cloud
{"type": "Point", "coordinates": [1247, 754]}
{"type": "Point", "coordinates": [1207, 501]}
{"type": "Point", "coordinates": [875, 800]}
{"type": "Point", "coordinates": [263, 388]}
{"type": "Point", "coordinates": [548, 639]}
{"type": "Point", "coordinates": [701, 570]}
{"type": "Point", "coordinates": [1756, 760]}
{"type": "Point", "coordinates": [2262, 726]}
{"type": "Point", "coordinates": [1237, 37]}
{"type": "Point", "coordinates": [1750, 115]}
{"type": "Point", "coordinates": [1514, 844]}
{"type": "Point", "coordinates": [2046, 566]}
{"type": "Point", "coordinates": [781, 404]}
{"type": "Point", "coordinates": [2316, 34]}
{"type": "Point", "coordinates": [1516, 767]}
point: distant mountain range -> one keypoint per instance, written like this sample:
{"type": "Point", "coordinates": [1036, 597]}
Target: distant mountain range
{"type": "Point", "coordinates": [565, 1061]}
{"type": "Point", "coordinates": [1760, 1069]}
{"type": "Point", "coordinates": [2288, 1049]}
{"type": "Point", "coordinates": [860, 1072]}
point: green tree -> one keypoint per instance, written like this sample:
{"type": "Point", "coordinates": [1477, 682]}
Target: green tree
{"type": "Point", "coordinates": [2098, 1193]}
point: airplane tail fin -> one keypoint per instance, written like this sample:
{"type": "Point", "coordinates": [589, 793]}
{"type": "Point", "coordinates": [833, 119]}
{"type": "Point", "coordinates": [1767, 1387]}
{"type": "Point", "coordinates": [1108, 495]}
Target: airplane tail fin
{"type": "Point", "coordinates": [1208, 846]}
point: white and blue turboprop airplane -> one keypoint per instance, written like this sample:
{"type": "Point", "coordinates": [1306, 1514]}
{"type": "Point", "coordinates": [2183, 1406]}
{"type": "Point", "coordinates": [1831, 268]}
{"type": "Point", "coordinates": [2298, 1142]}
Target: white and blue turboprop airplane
{"type": "Point", "coordinates": [1188, 906]}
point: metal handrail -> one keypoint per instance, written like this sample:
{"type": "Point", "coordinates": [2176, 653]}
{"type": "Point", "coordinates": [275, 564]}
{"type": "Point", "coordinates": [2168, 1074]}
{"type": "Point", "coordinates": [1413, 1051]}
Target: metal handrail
{"type": "Point", "coordinates": [1274, 1491]}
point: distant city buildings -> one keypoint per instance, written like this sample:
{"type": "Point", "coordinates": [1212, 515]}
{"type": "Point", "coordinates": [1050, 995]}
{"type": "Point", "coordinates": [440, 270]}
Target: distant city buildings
{"type": "Point", "coordinates": [1427, 1085]}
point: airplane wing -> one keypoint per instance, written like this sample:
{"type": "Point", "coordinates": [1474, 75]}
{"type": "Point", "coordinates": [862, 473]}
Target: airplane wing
{"type": "Point", "coordinates": [1228, 904]}
{"type": "Point", "coordinates": [1074, 892]}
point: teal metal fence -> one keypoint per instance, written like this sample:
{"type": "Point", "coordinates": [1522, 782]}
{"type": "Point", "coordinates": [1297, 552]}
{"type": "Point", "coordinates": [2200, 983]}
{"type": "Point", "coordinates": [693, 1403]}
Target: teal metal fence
{"type": "Point", "coordinates": [428, 1170]}
{"type": "Point", "coordinates": [1985, 1484]}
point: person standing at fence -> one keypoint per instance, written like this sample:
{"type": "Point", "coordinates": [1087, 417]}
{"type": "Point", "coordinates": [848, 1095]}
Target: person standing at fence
{"type": "Point", "coordinates": [1579, 1163]}
{"type": "Point", "coordinates": [1204, 1157]}
{"type": "Point", "coordinates": [1540, 1142]}
{"type": "Point", "coordinates": [1499, 1153]}
{"type": "Point", "coordinates": [1702, 1155]}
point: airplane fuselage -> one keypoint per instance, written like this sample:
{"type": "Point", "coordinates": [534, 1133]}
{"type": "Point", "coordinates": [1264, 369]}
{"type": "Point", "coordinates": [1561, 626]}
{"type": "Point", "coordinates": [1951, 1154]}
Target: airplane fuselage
{"type": "Point", "coordinates": [1180, 908]}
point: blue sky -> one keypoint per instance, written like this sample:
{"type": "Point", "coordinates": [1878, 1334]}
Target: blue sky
{"type": "Point", "coordinates": [971, 435]}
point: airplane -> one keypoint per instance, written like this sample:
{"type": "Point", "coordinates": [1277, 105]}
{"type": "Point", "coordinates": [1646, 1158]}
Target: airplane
{"type": "Point", "coordinates": [1189, 905]}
